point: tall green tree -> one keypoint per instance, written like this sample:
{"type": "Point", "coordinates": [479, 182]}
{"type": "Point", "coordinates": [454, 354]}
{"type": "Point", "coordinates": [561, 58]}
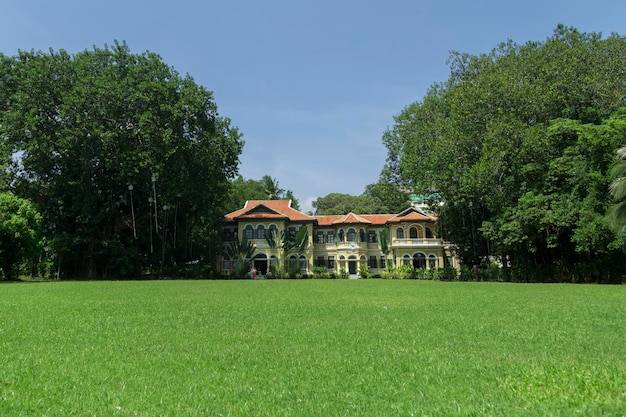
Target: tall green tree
{"type": "Point", "coordinates": [129, 161]}
{"type": "Point", "coordinates": [241, 190]}
{"type": "Point", "coordinates": [20, 233]}
{"type": "Point", "coordinates": [338, 203]}
{"type": "Point", "coordinates": [272, 189]}
{"type": "Point", "coordinates": [618, 190]}
{"type": "Point", "coordinates": [518, 142]}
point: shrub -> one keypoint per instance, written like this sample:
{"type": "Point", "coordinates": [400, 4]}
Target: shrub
{"type": "Point", "coordinates": [364, 271]}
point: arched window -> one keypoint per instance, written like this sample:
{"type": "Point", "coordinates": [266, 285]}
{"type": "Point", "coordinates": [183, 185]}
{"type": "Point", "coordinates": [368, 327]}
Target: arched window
{"type": "Point", "coordinates": [362, 235]}
{"type": "Point", "coordinates": [303, 264]}
{"type": "Point", "coordinates": [432, 261]}
{"type": "Point", "coordinates": [351, 235]}
{"type": "Point", "coordinates": [292, 263]}
{"type": "Point", "coordinates": [341, 236]}
{"type": "Point", "coordinates": [249, 232]}
{"type": "Point", "coordinates": [406, 259]}
{"type": "Point", "coordinates": [260, 232]}
{"type": "Point", "coordinates": [273, 230]}
{"type": "Point", "coordinates": [413, 232]}
{"type": "Point", "coordinates": [429, 233]}
{"type": "Point", "coordinates": [400, 233]}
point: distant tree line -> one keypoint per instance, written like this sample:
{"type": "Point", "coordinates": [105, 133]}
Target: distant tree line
{"type": "Point", "coordinates": [520, 142]}
{"type": "Point", "coordinates": [127, 162]}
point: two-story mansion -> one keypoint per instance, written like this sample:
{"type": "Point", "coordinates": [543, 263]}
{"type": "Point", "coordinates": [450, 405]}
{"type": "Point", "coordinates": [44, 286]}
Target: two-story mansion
{"type": "Point", "coordinates": [338, 242]}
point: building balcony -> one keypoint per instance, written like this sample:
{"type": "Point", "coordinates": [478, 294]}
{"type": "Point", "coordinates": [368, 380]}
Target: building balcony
{"type": "Point", "coordinates": [399, 243]}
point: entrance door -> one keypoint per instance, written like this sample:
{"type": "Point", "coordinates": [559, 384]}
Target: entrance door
{"type": "Point", "coordinates": [352, 267]}
{"type": "Point", "coordinates": [261, 266]}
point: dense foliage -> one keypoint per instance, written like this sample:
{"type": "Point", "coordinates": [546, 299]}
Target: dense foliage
{"type": "Point", "coordinates": [377, 198]}
{"type": "Point", "coordinates": [519, 142]}
{"type": "Point", "coordinates": [617, 212]}
{"type": "Point", "coordinates": [267, 188]}
{"type": "Point", "coordinates": [20, 228]}
{"type": "Point", "coordinates": [128, 161]}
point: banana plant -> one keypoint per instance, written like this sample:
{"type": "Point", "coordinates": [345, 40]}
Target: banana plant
{"type": "Point", "coordinates": [383, 243]}
{"type": "Point", "coordinates": [288, 244]}
{"type": "Point", "coordinates": [240, 251]}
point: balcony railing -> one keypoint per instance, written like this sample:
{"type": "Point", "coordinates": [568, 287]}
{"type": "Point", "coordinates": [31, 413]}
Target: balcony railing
{"type": "Point", "coordinates": [416, 242]}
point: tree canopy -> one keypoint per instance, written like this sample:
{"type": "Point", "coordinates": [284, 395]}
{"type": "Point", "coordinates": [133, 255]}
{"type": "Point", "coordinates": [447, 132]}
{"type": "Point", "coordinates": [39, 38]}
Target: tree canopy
{"type": "Point", "coordinates": [519, 142]}
{"type": "Point", "coordinates": [267, 188]}
{"type": "Point", "coordinates": [128, 161]}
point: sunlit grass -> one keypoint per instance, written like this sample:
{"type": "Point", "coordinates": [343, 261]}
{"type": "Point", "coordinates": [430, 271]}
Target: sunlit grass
{"type": "Point", "coordinates": [311, 347]}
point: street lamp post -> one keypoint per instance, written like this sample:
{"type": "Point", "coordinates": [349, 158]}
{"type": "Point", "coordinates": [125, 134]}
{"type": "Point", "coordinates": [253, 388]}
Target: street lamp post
{"type": "Point", "coordinates": [164, 237]}
{"type": "Point", "coordinates": [132, 209]}
{"type": "Point", "coordinates": [150, 201]}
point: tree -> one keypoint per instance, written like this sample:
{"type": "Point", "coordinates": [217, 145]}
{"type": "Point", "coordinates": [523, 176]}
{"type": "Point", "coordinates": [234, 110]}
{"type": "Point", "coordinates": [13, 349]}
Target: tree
{"type": "Point", "coordinates": [518, 143]}
{"type": "Point", "coordinates": [238, 254]}
{"type": "Point", "coordinates": [272, 189]}
{"type": "Point", "coordinates": [618, 190]}
{"type": "Point", "coordinates": [242, 190]}
{"type": "Point", "coordinates": [383, 243]}
{"type": "Point", "coordinates": [20, 227]}
{"type": "Point", "coordinates": [128, 161]}
{"type": "Point", "coordinates": [390, 194]}
{"type": "Point", "coordinates": [295, 204]}
{"type": "Point", "coordinates": [288, 244]}
{"type": "Point", "coordinates": [337, 203]}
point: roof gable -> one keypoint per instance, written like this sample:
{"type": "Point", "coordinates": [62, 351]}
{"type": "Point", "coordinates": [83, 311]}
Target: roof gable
{"type": "Point", "coordinates": [268, 209]}
{"type": "Point", "coordinates": [351, 218]}
{"type": "Point", "coordinates": [412, 214]}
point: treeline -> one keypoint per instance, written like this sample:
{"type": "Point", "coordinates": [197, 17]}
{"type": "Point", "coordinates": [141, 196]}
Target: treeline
{"type": "Point", "coordinates": [127, 162]}
{"type": "Point", "coordinates": [519, 143]}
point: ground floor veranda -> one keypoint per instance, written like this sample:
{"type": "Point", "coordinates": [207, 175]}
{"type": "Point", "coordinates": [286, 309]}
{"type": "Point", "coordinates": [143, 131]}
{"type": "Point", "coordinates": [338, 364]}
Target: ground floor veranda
{"type": "Point", "coordinates": [350, 258]}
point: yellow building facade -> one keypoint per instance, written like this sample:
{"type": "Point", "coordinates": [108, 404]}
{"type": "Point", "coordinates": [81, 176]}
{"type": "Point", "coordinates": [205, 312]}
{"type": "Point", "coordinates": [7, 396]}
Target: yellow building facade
{"type": "Point", "coordinates": [337, 243]}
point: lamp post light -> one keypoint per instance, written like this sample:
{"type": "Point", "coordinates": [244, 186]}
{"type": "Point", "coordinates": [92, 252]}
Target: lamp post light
{"type": "Point", "coordinates": [132, 209]}
{"type": "Point", "coordinates": [150, 201]}
{"type": "Point", "coordinates": [156, 220]}
{"type": "Point", "coordinates": [164, 237]}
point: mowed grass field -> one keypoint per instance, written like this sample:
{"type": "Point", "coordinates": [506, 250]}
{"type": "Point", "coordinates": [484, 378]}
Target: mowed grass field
{"type": "Point", "coordinates": [311, 348]}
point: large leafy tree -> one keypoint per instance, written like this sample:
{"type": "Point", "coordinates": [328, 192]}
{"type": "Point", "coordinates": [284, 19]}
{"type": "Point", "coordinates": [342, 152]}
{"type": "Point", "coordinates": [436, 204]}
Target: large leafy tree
{"type": "Point", "coordinates": [617, 212]}
{"type": "Point", "coordinates": [242, 190]}
{"type": "Point", "coordinates": [129, 161]}
{"type": "Point", "coordinates": [338, 203]}
{"type": "Point", "coordinates": [518, 141]}
{"type": "Point", "coordinates": [20, 233]}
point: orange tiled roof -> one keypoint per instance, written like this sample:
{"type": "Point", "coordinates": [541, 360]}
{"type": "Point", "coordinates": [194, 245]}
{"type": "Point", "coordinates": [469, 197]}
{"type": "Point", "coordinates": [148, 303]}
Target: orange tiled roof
{"type": "Point", "coordinates": [282, 210]}
{"type": "Point", "coordinates": [268, 209]}
{"type": "Point", "coordinates": [410, 215]}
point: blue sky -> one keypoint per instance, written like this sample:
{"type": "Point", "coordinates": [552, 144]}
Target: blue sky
{"type": "Point", "coordinates": [311, 85]}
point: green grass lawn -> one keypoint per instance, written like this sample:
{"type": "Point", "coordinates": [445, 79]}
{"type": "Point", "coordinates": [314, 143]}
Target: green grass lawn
{"type": "Point", "coordinates": [311, 348]}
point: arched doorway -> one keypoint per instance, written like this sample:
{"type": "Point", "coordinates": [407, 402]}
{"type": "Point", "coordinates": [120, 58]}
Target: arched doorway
{"type": "Point", "coordinates": [352, 265]}
{"type": "Point", "coordinates": [260, 263]}
{"type": "Point", "coordinates": [419, 260]}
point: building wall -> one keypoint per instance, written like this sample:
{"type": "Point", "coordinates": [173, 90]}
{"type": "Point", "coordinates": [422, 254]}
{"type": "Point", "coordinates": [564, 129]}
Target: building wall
{"type": "Point", "coordinates": [347, 246]}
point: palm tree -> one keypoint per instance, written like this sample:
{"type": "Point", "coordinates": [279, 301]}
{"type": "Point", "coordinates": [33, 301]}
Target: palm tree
{"type": "Point", "coordinates": [273, 191]}
{"type": "Point", "coordinates": [617, 174]}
